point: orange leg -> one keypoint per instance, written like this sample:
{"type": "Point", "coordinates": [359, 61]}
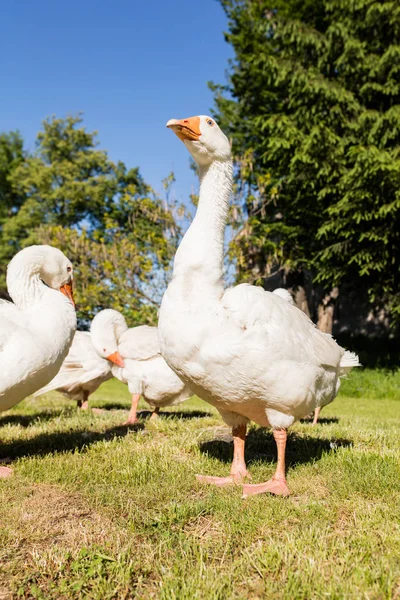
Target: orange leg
{"type": "Point", "coordinates": [277, 485]}
{"type": "Point", "coordinates": [154, 414]}
{"type": "Point", "coordinates": [238, 469]}
{"type": "Point", "coordinates": [5, 472]}
{"type": "Point", "coordinates": [132, 417]}
{"type": "Point", "coordinates": [316, 415]}
{"type": "Point", "coordinates": [85, 403]}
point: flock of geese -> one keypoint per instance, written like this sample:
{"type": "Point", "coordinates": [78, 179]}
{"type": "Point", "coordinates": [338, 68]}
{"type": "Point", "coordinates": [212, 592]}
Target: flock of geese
{"type": "Point", "coordinates": [131, 355]}
{"type": "Point", "coordinates": [250, 353]}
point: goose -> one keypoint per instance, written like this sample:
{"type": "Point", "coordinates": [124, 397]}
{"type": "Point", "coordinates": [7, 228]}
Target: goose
{"type": "Point", "coordinates": [137, 362]}
{"type": "Point", "coordinates": [81, 373]}
{"type": "Point", "coordinates": [36, 330]}
{"type": "Point", "coordinates": [246, 351]}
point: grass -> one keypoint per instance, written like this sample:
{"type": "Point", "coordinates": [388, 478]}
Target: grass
{"type": "Point", "coordinates": [98, 511]}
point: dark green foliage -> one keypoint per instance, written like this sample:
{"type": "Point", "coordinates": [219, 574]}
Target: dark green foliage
{"type": "Point", "coordinates": [11, 156]}
{"type": "Point", "coordinates": [313, 109]}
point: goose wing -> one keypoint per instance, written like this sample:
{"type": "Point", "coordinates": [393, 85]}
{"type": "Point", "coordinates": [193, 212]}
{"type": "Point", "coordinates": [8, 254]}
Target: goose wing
{"type": "Point", "coordinates": [12, 321]}
{"type": "Point", "coordinates": [272, 323]}
{"type": "Point", "coordinates": [81, 366]}
{"type": "Point", "coordinates": [139, 343]}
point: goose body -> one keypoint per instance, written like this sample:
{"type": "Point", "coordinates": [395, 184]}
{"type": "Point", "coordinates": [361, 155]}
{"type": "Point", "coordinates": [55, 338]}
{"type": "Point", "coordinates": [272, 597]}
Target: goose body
{"type": "Point", "coordinates": [250, 353]}
{"type": "Point", "coordinates": [239, 357]}
{"type": "Point", "coordinates": [81, 373]}
{"type": "Point", "coordinates": [137, 361]}
{"type": "Point", "coordinates": [37, 330]}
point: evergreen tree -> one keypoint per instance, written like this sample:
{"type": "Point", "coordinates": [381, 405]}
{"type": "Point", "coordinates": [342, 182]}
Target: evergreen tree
{"type": "Point", "coordinates": [313, 108]}
{"type": "Point", "coordinates": [11, 156]}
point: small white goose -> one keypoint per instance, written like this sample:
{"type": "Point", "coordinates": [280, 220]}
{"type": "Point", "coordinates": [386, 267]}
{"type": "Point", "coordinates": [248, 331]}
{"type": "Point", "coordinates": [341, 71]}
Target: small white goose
{"type": "Point", "coordinates": [248, 352]}
{"type": "Point", "coordinates": [81, 373]}
{"type": "Point", "coordinates": [137, 361]}
{"type": "Point", "coordinates": [37, 330]}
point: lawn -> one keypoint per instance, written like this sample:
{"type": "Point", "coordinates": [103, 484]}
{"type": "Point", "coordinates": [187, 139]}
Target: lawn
{"type": "Point", "coordinates": [95, 510]}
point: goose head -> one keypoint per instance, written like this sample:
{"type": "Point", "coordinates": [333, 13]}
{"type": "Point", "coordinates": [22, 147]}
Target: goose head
{"type": "Point", "coordinates": [106, 328]}
{"type": "Point", "coordinates": [57, 273]}
{"type": "Point", "coordinates": [44, 264]}
{"type": "Point", "coordinates": [203, 138]}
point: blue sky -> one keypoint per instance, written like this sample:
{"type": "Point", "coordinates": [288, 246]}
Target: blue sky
{"type": "Point", "coordinates": [128, 65]}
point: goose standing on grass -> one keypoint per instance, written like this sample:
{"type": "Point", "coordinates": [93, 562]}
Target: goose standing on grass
{"type": "Point", "coordinates": [137, 361]}
{"type": "Point", "coordinates": [37, 330]}
{"type": "Point", "coordinates": [248, 352]}
{"type": "Point", "coordinates": [81, 373]}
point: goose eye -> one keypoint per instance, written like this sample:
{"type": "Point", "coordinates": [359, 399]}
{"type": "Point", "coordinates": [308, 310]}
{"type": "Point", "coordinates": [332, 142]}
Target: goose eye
{"type": "Point", "coordinates": [209, 122]}
{"type": "Point", "coordinates": [69, 269]}
{"type": "Point", "coordinates": [104, 350]}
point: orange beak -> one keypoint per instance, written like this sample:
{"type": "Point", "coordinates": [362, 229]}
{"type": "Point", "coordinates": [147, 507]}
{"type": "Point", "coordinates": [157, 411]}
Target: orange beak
{"type": "Point", "coordinates": [116, 358]}
{"type": "Point", "coordinates": [66, 289]}
{"type": "Point", "coordinates": [186, 129]}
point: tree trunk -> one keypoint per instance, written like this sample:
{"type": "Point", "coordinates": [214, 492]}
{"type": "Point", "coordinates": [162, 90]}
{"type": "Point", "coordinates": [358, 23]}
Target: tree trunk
{"type": "Point", "coordinates": [295, 282]}
{"type": "Point", "coordinates": [326, 311]}
{"type": "Point", "coordinates": [300, 299]}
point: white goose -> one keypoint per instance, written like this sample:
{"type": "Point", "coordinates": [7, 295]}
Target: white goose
{"type": "Point", "coordinates": [81, 373]}
{"type": "Point", "coordinates": [137, 361]}
{"type": "Point", "coordinates": [37, 330]}
{"type": "Point", "coordinates": [248, 352]}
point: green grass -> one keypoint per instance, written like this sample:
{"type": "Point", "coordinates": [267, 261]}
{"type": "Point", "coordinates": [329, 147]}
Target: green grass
{"type": "Point", "coordinates": [97, 511]}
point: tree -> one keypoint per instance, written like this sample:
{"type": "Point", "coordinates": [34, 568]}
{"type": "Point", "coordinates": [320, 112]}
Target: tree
{"type": "Point", "coordinates": [12, 155]}
{"type": "Point", "coordinates": [119, 234]}
{"type": "Point", "coordinates": [313, 108]}
{"type": "Point", "coordinates": [110, 271]}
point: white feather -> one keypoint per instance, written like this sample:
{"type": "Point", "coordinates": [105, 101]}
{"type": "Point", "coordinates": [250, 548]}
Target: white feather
{"type": "Point", "coordinates": [37, 331]}
{"type": "Point", "coordinates": [284, 294]}
{"type": "Point", "coordinates": [82, 371]}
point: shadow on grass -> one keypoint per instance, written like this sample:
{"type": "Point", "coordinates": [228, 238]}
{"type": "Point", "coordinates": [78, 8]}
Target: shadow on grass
{"type": "Point", "coordinates": [52, 443]}
{"type": "Point", "coordinates": [327, 420]}
{"type": "Point", "coordinates": [176, 414]}
{"type": "Point", "coordinates": [27, 420]}
{"type": "Point", "coordinates": [321, 420]}
{"type": "Point", "coordinates": [164, 414]}
{"type": "Point", "coordinates": [260, 446]}
{"type": "Point", "coordinates": [111, 406]}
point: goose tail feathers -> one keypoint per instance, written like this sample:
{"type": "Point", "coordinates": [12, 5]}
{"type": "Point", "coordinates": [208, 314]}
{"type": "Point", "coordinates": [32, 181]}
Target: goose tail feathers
{"type": "Point", "coordinates": [348, 361]}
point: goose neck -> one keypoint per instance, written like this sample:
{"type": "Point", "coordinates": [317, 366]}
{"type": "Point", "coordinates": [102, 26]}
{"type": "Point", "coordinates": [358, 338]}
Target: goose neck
{"type": "Point", "coordinates": [25, 287]}
{"type": "Point", "coordinates": [202, 248]}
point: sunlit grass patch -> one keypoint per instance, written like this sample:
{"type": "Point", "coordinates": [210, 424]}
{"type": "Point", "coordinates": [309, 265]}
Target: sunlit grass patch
{"type": "Point", "coordinates": [98, 510]}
